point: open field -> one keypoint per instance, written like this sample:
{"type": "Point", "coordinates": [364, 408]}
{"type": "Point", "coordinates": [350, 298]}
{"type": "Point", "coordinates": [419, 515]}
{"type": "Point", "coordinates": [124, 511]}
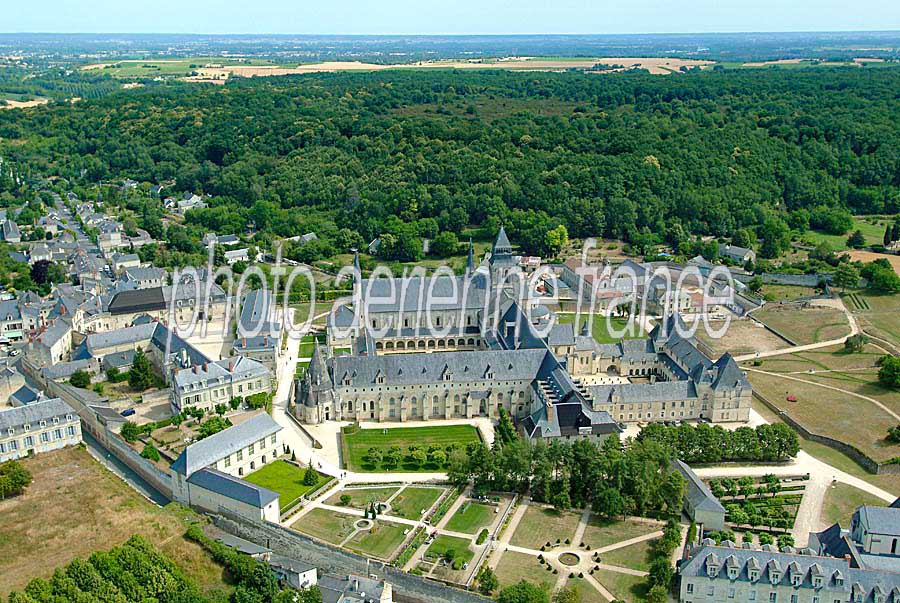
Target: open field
{"type": "Point", "coordinates": [824, 359]}
{"type": "Point", "coordinates": [18, 104]}
{"type": "Point", "coordinates": [811, 324]}
{"type": "Point", "coordinates": [775, 293]}
{"type": "Point", "coordinates": [413, 501]}
{"type": "Point", "coordinates": [75, 507]}
{"type": "Point", "coordinates": [601, 532]}
{"type": "Point", "coordinates": [326, 525]}
{"type": "Point", "coordinates": [380, 542]}
{"type": "Point", "coordinates": [842, 500]}
{"type": "Point", "coordinates": [871, 227]}
{"type": "Point", "coordinates": [361, 497]}
{"type": "Point", "coordinates": [286, 479]}
{"type": "Point", "coordinates": [828, 412]}
{"type": "Point", "coordinates": [471, 518]}
{"type": "Point", "coordinates": [514, 567]}
{"type": "Point", "coordinates": [628, 588]}
{"type": "Point", "coordinates": [742, 337]}
{"type": "Point", "coordinates": [356, 444]}
{"type": "Point", "coordinates": [877, 314]}
{"type": "Point", "coordinates": [442, 544]}
{"type": "Point", "coordinates": [635, 556]}
{"type": "Point", "coordinates": [540, 526]}
{"type": "Point", "coordinates": [601, 330]}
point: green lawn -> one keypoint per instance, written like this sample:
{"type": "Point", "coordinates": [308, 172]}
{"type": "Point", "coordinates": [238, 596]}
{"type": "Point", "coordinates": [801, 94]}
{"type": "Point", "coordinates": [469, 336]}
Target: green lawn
{"type": "Point", "coordinates": [635, 556]}
{"type": "Point", "coordinates": [540, 526]}
{"type": "Point", "coordinates": [411, 503]}
{"type": "Point", "coordinates": [326, 525]}
{"type": "Point", "coordinates": [632, 589]}
{"type": "Point", "coordinates": [514, 567]}
{"type": "Point", "coordinates": [601, 330]}
{"type": "Point", "coordinates": [602, 532]}
{"type": "Point", "coordinates": [874, 233]}
{"type": "Point", "coordinates": [357, 442]}
{"type": "Point", "coordinates": [379, 542]}
{"type": "Point", "coordinates": [842, 500]}
{"type": "Point", "coordinates": [286, 479]}
{"type": "Point", "coordinates": [460, 548]}
{"type": "Point", "coordinates": [361, 497]}
{"type": "Point", "coordinates": [586, 591]}
{"type": "Point", "coordinates": [471, 517]}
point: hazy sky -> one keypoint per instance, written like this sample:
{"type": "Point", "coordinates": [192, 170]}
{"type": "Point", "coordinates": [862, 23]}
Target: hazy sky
{"type": "Point", "coordinates": [446, 16]}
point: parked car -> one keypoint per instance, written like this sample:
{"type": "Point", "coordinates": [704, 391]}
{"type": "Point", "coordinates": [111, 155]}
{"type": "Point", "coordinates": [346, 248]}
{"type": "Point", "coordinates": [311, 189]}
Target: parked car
{"type": "Point", "coordinates": [127, 412]}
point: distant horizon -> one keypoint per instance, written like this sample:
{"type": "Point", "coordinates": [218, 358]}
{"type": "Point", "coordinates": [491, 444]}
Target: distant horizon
{"type": "Point", "coordinates": [463, 17]}
{"type": "Point", "coordinates": [448, 35]}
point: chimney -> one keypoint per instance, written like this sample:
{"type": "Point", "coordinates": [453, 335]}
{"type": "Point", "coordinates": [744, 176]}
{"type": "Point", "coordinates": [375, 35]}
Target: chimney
{"type": "Point", "coordinates": [206, 367]}
{"type": "Point", "coordinates": [549, 411]}
{"type": "Point", "coordinates": [265, 341]}
{"type": "Point", "coordinates": [230, 366]}
{"type": "Point", "coordinates": [243, 342]}
{"type": "Point", "coordinates": [196, 369]}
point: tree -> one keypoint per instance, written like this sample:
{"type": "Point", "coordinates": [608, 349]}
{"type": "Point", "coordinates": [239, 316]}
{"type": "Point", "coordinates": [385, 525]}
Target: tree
{"type": "Point", "coordinates": [374, 456]}
{"type": "Point", "coordinates": [445, 244]}
{"type": "Point", "coordinates": [311, 477]}
{"type": "Point", "coordinates": [887, 236]}
{"type": "Point", "coordinates": [150, 452]}
{"type": "Point", "coordinates": [487, 581]}
{"type": "Point", "coordinates": [130, 432]}
{"type": "Point", "coordinates": [141, 376]}
{"type": "Point", "coordinates": [856, 240]}
{"type": "Point", "coordinates": [658, 594]}
{"type": "Point", "coordinates": [14, 478]}
{"type": "Point", "coordinates": [567, 594]}
{"type": "Point", "coordinates": [856, 343]}
{"type": "Point", "coordinates": [661, 572]}
{"type": "Point", "coordinates": [506, 431]}
{"type": "Point", "coordinates": [523, 592]}
{"type": "Point", "coordinates": [418, 457]}
{"type": "Point", "coordinates": [557, 238]}
{"type": "Point", "coordinates": [884, 280]}
{"type": "Point", "coordinates": [80, 378]}
{"type": "Point", "coordinates": [889, 373]}
{"type": "Point", "coordinates": [846, 276]}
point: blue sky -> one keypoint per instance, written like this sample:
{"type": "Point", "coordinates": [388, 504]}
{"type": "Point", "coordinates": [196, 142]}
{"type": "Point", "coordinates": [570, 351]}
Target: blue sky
{"type": "Point", "coordinates": [446, 16]}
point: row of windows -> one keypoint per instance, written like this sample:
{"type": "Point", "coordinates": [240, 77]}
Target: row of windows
{"type": "Point", "coordinates": [44, 438]}
{"type": "Point", "coordinates": [251, 449]}
{"type": "Point", "coordinates": [27, 427]}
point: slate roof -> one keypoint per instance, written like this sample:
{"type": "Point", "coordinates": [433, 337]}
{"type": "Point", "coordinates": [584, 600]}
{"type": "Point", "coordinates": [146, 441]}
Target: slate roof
{"type": "Point", "coordinates": [660, 391]}
{"type": "Point", "coordinates": [387, 295]}
{"type": "Point", "coordinates": [209, 373]}
{"type": "Point", "coordinates": [256, 313]}
{"type": "Point", "coordinates": [32, 414]}
{"type": "Point", "coordinates": [403, 369]}
{"type": "Point", "coordinates": [148, 273]}
{"type": "Point", "coordinates": [127, 336]}
{"type": "Point", "coordinates": [698, 493]}
{"type": "Point", "coordinates": [232, 487]}
{"type": "Point", "coordinates": [139, 300]}
{"type": "Point", "coordinates": [217, 446]}
{"type": "Point", "coordinates": [880, 520]}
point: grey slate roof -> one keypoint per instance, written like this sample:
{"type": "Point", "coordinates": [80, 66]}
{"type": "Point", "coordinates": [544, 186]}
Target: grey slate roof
{"type": "Point", "coordinates": [232, 487]}
{"type": "Point", "coordinates": [217, 446]}
{"type": "Point", "coordinates": [32, 414]}
{"type": "Point", "coordinates": [257, 311]}
{"type": "Point", "coordinates": [880, 520]}
{"type": "Point", "coordinates": [412, 293]}
{"type": "Point", "coordinates": [698, 493]}
{"type": "Point", "coordinates": [661, 391]}
{"type": "Point", "coordinates": [127, 336]}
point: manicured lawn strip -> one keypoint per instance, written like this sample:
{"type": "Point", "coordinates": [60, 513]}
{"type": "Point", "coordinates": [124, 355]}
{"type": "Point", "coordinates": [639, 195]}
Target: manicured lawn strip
{"type": "Point", "coordinates": [286, 479]}
{"type": "Point", "coordinates": [805, 325]}
{"type": "Point", "coordinates": [326, 525]}
{"type": "Point", "coordinates": [515, 567]}
{"type": "Point", "coordinates": [634, 556]}
{"type": "Point", "coordinates": [625, 587]}
{"type": "Point", "coordinates": [361, 497]}
{"type": "Point", "coordinates": [471, 517]}
{"type": "Point", "coordinates": [381, 543]}
{"type": "Point", "coordinates": [539, 526]}
{"type": "Point", "coordinates": [442, 544]}
{"type": "Point", "coordinates": [412, 501]}
{"type": "Point", "coordinates": [842, 500]}
{"type": "Point", "coordinates": [357, 443]}
{"type": "Point", "coordinates": [600, 532]}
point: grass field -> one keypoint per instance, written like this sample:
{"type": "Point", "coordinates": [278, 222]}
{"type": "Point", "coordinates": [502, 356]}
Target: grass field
{"type": "Point", "coordinates": [742, 337]}
{"type": "Point", "coordinates": [877, 314]}
{"type": "Point", "coordinates": [601, 532]}
{"type": "Point", "coordinates": [326, 525]}
{"type": "Point", "coordinates": [540, 526]}
{"type": "Point", "coordinates": [842, 500]}
{"type": "Point", "coordinates": [775, 293]}
{"type": "Point", "coordinates": [601, 330]}
{"type": "Point", "coordinates": [381, 542]}
{"type": "Point", "coordinates": [635, 556]}
{"type": "Point", "coordinates": [362, 497]}
{"type": "Point", "coordinates": [411, 503]}
{"type": "Point", "coordinates": [586, 591]}
{"type": "Point", "coordinates": [74, 507]}
{"type": "Point", "coordinates": [471, 517]}
{"type": "Point", "coordinates": [874, 233]}
{"type": "Point", "coordinates": [286, 479]}
{"type": "Point", "coordinates": [632, 589]}
{"type": "Point", "coordinates": [805, 325]}
{"type": "Point", "coordinates": [356, 444]}
{"type": "Point", "coordinates": [442, 544]}
{"type": "Point", "coordinates": [514, 567]}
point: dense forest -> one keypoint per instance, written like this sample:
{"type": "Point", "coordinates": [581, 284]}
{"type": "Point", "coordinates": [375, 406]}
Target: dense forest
{"type": "Point", "coordinates": [649, 159]}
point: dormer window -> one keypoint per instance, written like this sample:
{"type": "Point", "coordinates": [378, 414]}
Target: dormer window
{"type": "Point", "coordinates": [817, 581]}
{"type": "Point", "coordinates": [775, 577]}
{"type": "Point", "coordinates": [796, 579]}
{"type": "Point", "coordinates": [732, 573]}
{"type": "Point", "coordinates": [753, 575]}
{"type": "Point", "coordinates": [712, 570]}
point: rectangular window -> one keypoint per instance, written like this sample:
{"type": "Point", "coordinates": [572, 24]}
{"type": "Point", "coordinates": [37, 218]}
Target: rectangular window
{"type": "Point", "coordinates": [228, 461]}
{"type": "Point", "coordinates": [240, 455]}
{"type": "Point", "coordinates": [250, 449]}
{"type": "Point", "coordinates": [29, 442]}
{"type": "Point", "coordinates": [690, 588]}
{"type": "Point", "coordinates": [45, 437]}
{"type": "Point", "coordinates": [71, 430]}
{"type": "Point", "coordinates": [272, 440]}
{"type": "Point", "coordinates": [57, 434]}
{"type": "Point", "coordinates": [773, 597]}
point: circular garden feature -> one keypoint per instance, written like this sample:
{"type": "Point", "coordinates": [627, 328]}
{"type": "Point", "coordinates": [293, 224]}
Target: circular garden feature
{"type": "Point", "coordinates": [569, 559]}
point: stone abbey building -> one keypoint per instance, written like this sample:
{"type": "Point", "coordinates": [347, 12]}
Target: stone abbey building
{"type": "Point", "coordinates": [479, 349]}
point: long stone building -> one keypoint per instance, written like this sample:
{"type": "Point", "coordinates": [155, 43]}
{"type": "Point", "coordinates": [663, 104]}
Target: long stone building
{"type": "Point", "coordinates": [478, 349]}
